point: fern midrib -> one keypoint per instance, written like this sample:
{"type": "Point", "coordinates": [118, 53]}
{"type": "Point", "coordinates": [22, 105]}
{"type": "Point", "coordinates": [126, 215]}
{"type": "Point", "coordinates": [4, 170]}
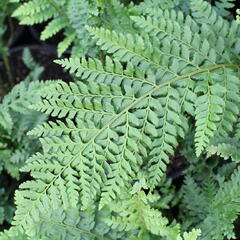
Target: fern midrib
{"type": "Point", "coordinates": [207, 119]}
{"type": "Point", "coordinates": [79, 109]}
{"type": "Point", "coordinates": [116, 74]}
{"type": "Point", "coordinates": [144, 124]}
{"type": "Point", "coordinates": [100, 95]}
{"type": "Point", "coordinates": [76, 228]}
{"type": "Point", "coordinates": [121, 113]}
{"type": "Point", "coordinates": [164, 125]}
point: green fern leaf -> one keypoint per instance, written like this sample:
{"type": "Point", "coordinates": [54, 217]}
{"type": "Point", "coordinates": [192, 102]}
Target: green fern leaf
{"type": "Point", "coordinates": [125, 115]}
{"type": "Point", "coordinates": [226, 148]}
{"type": "Point", "coordinates": [67, 41]}
{"type": "Point", "coordinates": [214, 26]}
{"type": "Point", "coordinates": [223, 7]}
{"type": "Point", "coordinates": [53, 28]}
{"type": "Point", "coordinates": [209, 107]}
{"type": "Point", "coordinates": [34, 12]}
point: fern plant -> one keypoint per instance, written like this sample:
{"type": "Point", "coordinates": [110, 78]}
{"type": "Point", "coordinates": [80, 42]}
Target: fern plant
{"type": "Point", "coordinates": [213, 204]}
{"type": "Point", "coordinates": [108, 145]}
{"type": "Point", "coordinates": [6, 9]}
{"type": "Point", "coordinates": [72, 16]}
{"type": "Point", "coordinates": [16, 120]}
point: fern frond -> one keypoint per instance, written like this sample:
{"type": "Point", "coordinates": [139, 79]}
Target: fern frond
{"type": "Point", "coordinates": [13, 234]}
{"type": "Point", "coordinates": [134, 213]}
{"type": "Point", "coordinates": [209, 108]}
{"type": "Point", "coordinates": [193, 235]}
{"type": "Point", "coordinates": [53, 28]}
{"type": "Point", "coordinates": [71, 224]}
{"type": "Point", "coordinates": [224, 210]}
{"type": "Point", "coordinates": [223, 6]}
{"type": "Point", "coordinates": [31, 8]}
{"type": "Point", "coordinates": [126, 115]}
{"type": "Point", "coordinates": [81, 13]}
{"type": "Point", "coordinates": [212, 205]}
{"type": "Point", "coordinates": [34, 12]}
{"type": "Point", "coordinates": [65, 44]}
{"type": "Point", "coordinates": [194, 203]}
{"type": "Point", "coordinates": [17, 118]}
{"type": "Point", "coordinates": [161, 26]}
{"type": "Point", "coordinates": [231, 98]}
{"type": "Point", "coordinates": [227, 148]}
{"type": "Point", "coordinates": [214, 25]}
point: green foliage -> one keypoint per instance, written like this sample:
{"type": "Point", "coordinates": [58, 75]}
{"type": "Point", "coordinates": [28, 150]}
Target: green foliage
{"type": "Point", "coordinates": [226, 148]}
{"type": "Point", "coordinates": [222, 7]}
{"type": "Point", "coordinates": [212, 205]}
{"type": "Point", "coordinates": [16, 119]}
{"type": "Point", "coordinates": [71, 16]}
{"type": "Point", "coordinates": [123, 120]}
{"type": "Point", "coordinates": [13, 235]}
{"type": "Point", "coordinates": [6, 9]}
{"type": "Point", "coordinates": [158, 78]}
{"type": "Point", "coordinates": [6, 206]}
{"type": "Point", "coordinates": [134, 212]}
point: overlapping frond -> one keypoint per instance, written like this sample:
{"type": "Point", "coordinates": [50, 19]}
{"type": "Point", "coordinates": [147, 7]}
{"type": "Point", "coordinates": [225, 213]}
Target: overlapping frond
{"type": "Point", "coordinates": [33, 12]}
{"type": "Point", "coordinates": [212, 204]}
{"type": "Point", "coordinates": [133, 212]}
{"type": "Point", "coordinates": [59, 223]}
{"type": "Point", "coordinates": [215, 26]}
{"type": "Point", "coordinates": [226, 148]}
{"type": "Point", "coordinates": [16, 118]}
{"type": "Point", "coordinates": [71, 17]}
{"type": "Point", "coordinates": [127, 114]}
{"type": "Point", "coordinates": [53, 28]}
{"type": "Point", "coordinates": [223, 211]}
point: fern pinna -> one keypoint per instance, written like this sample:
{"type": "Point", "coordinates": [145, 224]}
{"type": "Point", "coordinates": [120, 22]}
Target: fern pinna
{"type": "Point", "coordinates": [113, 131]}
{"type": "Point", "coordinates": [71, 16]}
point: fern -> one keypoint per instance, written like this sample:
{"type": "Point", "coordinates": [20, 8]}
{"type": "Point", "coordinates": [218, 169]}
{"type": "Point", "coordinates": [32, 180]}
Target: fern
{"type": "Point", "coordinates": [223, 6]}
{"type": "Point", "coordinates": [6, 9]}
{"type": "Point", "coordinates": [6, 206]}
{"type": "Point", "coordinates": [113, 132]}
{"type": "Point", "coordinates": [217, 205]}
{"type": "Point", "coordinates": [226, 148]}
{"type": "Point", "coordinates": [71, 16]}
{"type": "Point", "coordinates": [134, 212]}
{"type": "Point", "coordinates": [16, 119]}
{"type": "Point", "coordinates": [12, 235]}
